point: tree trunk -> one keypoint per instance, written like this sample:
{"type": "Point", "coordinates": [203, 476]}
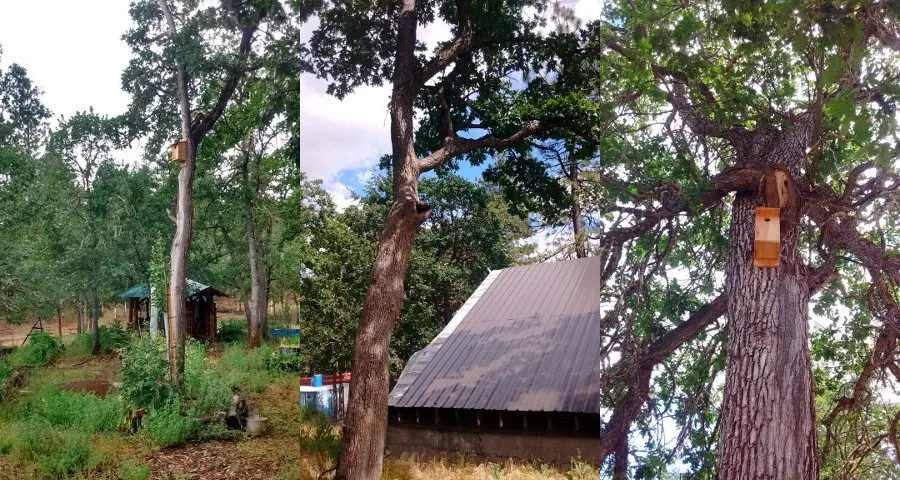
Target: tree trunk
{"type": "Point", "coordinates": [768, 428]}
{"type": "Point", "coordinates": [620, 464]}
{"type": "Point", "coordinates": [59, 321]}
{"type": "Point", "coordinates": [259, 297]}
{"type": "Point", "coordinates": [366, 421]}
{"type": "Point", "coordinates": [78, 317]}
{"type": "Point", "coordinates": [577, 217]}
{"type": "Point", "coordinates": [95, 322]}
{"type": "Point", "coordinates": [365, 427]}
{"type": "Point", "coordinates": [184, 218]}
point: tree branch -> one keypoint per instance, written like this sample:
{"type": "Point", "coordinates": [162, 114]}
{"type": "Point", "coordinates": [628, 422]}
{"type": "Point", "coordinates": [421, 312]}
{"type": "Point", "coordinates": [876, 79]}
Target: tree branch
{"type": "Point", "coordinates": [201, 125]}
{"type": "Point", "coordinates": [460, 45]}
{"type": "Point", "coordinates": [455, 145]}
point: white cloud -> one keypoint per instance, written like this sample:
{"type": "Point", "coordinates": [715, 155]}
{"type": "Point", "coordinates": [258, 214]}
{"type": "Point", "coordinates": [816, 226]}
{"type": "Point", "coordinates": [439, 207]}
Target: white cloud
{"type": "Point", "coordinates": [340, 193]}
{"type": "Point", "coordinates": [336, 135]}
{"type": "Point", "coordinates": [72, 50]}
{"type": "Point", "coordinates": [589, 10]}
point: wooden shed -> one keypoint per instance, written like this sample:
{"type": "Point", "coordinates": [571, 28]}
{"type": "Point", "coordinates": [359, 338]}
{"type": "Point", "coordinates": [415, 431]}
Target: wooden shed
{"type": "Point", "coordinates": [200, 308]}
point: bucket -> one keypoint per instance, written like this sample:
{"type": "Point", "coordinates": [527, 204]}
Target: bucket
{"type": "Point", "coordinates": [317, 381]}
{"type": "Point", "coordinates": [256, 425]}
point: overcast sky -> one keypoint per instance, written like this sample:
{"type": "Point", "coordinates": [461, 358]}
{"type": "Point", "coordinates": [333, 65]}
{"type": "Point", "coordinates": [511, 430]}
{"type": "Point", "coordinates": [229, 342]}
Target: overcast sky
{"type": "Point", "coordinates": [73, 51]}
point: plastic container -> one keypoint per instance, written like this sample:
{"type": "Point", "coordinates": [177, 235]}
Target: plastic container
{"type": "Point", "coordinates": [317, 381]}
{"type": "Point", "coordinates": [257, 425]}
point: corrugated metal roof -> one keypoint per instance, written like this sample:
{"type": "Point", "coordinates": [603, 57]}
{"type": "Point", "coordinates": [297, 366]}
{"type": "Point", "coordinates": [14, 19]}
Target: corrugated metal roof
{"type": "Point", "coordinates": [193, 288]}
{"type": "Point", "coordinates": [530, 341]}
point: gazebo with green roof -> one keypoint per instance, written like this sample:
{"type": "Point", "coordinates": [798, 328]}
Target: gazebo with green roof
{"type": "Point", "coordinates": [199, 303]}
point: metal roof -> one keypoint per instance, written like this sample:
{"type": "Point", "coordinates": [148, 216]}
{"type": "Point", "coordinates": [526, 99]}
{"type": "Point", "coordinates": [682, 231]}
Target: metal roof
{"type": "Point", "coordinates": [194, 288]}
{"type": "Point", "coordinates": [527, 340]}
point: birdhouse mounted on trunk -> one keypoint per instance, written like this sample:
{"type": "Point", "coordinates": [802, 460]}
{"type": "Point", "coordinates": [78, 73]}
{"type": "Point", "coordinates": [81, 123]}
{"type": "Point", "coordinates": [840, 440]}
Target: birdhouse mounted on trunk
{"type": "Point", "coordinates": [180, 152]}
{"type": "Point", "coordinates": [767, 237]}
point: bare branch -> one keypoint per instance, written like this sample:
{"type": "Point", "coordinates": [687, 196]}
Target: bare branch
{"type": "Point", "coordinates": [460, 45]}
{"type": "Point", "coordinates": [455, 146]}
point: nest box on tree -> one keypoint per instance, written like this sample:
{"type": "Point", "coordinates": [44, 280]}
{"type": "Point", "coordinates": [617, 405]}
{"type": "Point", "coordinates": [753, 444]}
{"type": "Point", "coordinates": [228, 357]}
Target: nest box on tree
{"type": "Point", "coordinates": [767, 225]}
{"type": "Point", "coordinates": [180, 152]}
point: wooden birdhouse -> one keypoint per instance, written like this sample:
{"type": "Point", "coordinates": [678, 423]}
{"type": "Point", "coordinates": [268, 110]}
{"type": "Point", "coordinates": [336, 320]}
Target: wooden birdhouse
{"type": "Point", "coordinates": [767, 237]}
{"type": "Point", "coordinates": [180, 152]}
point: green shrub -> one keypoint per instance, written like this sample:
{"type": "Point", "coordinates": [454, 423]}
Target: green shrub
{"type": "Point", "coordinates": [144, 371]}
{"type": "Point", "coordinates": [112, 338]}
{"type": "Point", "coordinates": [81, 411]}
{"type": "Point", "coordinates": [41, 347]}
{"type": "Point", "coordinates": [169, 427]}
{"type": "Point", "coordinates": [204, 389]}
{"type": "Point", "coordinates": [232, 332]}
{"type": "Point", "coordinates": [131, 471]}
{"type": "Point", "coordinates": [251, 370]}
{"type": "Point", "coordinates": [58, 453]}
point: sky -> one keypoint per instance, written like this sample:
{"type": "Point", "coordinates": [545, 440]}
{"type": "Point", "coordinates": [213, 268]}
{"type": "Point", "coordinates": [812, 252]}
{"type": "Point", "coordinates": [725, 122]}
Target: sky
{"type": "Point", "coordinates": [80, 66]}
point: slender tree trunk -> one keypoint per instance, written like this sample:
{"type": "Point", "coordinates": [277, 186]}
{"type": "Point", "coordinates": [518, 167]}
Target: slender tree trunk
{"type": "Point", "coordinates": [184, 218]}
{"type": "Point", "coordinates": [95, 322]}
{"type": "Point", "coordinates": [59, 321]}
{"type": "Point", "coordinates": [78, 328]}
{"type": "Point", "coordinates": [768, 428]}
{"type": "Point", "coordinates": [577, 217]}
{"type": "Point", "coordinates": [259, 298]}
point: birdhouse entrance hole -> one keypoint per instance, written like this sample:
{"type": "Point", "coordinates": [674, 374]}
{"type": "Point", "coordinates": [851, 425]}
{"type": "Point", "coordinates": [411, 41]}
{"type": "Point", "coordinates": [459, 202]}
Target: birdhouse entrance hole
{"type": "Point", "coordinates": [767, 237]}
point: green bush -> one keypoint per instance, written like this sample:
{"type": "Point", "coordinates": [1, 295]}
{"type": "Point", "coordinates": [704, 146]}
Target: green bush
{"type": "Point", "coordinates": [251, 370]}
{"type": "Point", "coordinates": [41, 347]}
{"type": "Point", "coordinates": [112, 338]}
{"type": "Point", "coordinates": [169, 427]}
{"type": "Point", "coordinates": [204, 390]}
{"type": "Point", "coordinates": [58, 453]}
{"type": "Point", "coordinates": [144, 371]}
{"type": "Point", "coordinates": [81, 411]}
{"type": "Point", "coordinates": [232, 332]}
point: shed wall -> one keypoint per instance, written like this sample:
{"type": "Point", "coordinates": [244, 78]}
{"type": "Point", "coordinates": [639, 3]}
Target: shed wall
{"type": "Point", "coordinates": [418, 443]}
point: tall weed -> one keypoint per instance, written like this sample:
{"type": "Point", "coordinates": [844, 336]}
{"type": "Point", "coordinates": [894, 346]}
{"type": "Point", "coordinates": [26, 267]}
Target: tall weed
{"type": "Point", "coordinates": [41, 347]}
{"type": "Point", "coordinates": [58, 453]}
{"type": "Point", "coordinates": [169, 427]}
{"type": "Point", "coordinates": [144, 373]}
{"type": "Point", "coordinates": [204, 390]}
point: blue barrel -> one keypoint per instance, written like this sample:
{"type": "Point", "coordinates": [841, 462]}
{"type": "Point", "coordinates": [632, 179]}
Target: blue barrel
{"type": "Point", "coordinates": [317, 381]}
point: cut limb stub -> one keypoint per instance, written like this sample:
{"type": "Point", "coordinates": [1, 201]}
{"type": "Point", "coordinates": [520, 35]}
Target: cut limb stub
{"type": "Point", "coordinates": [767, 237]}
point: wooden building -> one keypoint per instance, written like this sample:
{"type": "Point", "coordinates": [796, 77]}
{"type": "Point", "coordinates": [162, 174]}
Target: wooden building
{"type": "Point", "coordinates": [200, 308]}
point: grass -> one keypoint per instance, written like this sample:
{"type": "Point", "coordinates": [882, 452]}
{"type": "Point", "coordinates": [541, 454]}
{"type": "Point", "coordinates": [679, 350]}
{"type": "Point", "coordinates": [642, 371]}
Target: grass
{"type": "Point", "coordinates": [49, 432]}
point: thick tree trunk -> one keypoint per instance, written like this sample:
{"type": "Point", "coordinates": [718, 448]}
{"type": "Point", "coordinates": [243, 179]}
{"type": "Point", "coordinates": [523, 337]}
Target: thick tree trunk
{"type": "Point", "coordinates": [95, 321]}
{"type": "Point", "coordinates": [366, 421]}
{"type": "Point", "coordinates": [620, 464]}
{"type": "Point", "coordinates": [768, 428]}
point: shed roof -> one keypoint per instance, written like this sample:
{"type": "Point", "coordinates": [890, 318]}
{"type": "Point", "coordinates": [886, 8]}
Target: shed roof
{"type": "Point", "coordinates": [194, 289]}
{"type": "Point", "coordinates": [528, 339]}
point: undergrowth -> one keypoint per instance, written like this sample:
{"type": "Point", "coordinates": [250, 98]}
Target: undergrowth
{"type": "Point", "coordinates": [112, 338]}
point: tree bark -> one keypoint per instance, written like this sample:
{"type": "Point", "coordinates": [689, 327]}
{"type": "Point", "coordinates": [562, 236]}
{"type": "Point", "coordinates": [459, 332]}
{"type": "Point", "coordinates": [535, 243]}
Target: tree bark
{"type": "Point", "coordinates": [577, 217]}
{"type": "Point", "coordinates": [184, 217]}
{"type": "Point", "coordinates": [768, 428]}
{"type": "Point", "coordinates": [95, 322]}
{"type": "Point", "coordinates": [59, 321]}
{"type": "Point", "coordinates": [78, 320]}
{"type": "Point", "coordinates": [362, 449]}
{"type": "Point", "coordinates": [259, 298]}
{"type": "Point", "coordinates": [620, 465]}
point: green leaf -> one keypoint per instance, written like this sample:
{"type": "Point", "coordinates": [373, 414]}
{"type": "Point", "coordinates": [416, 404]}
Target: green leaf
{"type": "Point", "coordinates": [834, 69]}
